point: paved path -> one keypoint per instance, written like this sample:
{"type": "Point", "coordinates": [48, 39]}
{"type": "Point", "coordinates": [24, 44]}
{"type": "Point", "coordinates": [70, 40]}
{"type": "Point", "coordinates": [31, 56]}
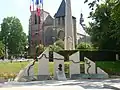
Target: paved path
{"type": "Point", "coordinates": [90, 84]}
{"type": "Point", "coordinates": [44, 88]}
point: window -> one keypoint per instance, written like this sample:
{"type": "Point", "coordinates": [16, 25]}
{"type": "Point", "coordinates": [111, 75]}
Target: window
{"type": "Point", "coordinates": [35, 19]}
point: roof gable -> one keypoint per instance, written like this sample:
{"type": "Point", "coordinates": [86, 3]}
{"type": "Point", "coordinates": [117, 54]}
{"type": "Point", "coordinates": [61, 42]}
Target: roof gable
{"type": "Point", "coordinates": [48, 21]}
{"type": "Point", "coordinates": [61, 10]}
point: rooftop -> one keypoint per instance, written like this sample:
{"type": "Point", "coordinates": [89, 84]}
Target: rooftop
{"type": "Point", "coordinates": [61, 10]}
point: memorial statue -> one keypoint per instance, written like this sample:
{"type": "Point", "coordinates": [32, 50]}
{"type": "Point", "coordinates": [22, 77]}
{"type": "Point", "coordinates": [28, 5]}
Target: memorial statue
{"type": "Point", "coordinates": [60, 67]}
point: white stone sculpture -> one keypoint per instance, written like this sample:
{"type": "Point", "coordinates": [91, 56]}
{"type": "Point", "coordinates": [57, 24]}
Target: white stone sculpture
{"type": "Point", "coordinates": [74, 64]}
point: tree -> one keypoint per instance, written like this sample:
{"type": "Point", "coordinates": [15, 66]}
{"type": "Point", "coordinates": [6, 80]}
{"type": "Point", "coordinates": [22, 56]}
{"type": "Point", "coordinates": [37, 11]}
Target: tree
{"type": "Point", "coordinates": [13, 36]}
{"type": "Point", "coordinates": [2, 49]}
{"type": "Point", "coordinates": [105, 29]}
{"type": "Point", "coordinates": [94, 3]}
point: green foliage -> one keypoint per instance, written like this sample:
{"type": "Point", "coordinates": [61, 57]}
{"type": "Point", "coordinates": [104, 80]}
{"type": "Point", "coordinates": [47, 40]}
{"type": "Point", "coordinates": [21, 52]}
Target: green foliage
{"type": "Point", "coordinates": [13, 36]}
{"type": "Point", "coordinates": [39, 49]}
{"type": "Point", "coordinates": [55, 48]}
{"type": "Point", "coordinates": [94, 3]}
{"type": "Point", "coordinates": [2, 48]}
{"type": "Point", "coordinates": [111, 68]}
{"type": "Point", "coordinates": [58, 46]}
{"type": "Point", "coordinates": [105, 28]}
{"type": "Point", "coordinates": [60, 43]}
{"type": "Point", "coordinates": [84, 46]}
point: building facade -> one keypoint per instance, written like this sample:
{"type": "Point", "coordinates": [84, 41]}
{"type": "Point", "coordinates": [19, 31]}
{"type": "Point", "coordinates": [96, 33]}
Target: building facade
{"type": "Point", "coordinates": [40, 30]}
{"type": "Point", "coordinates": [60, 22]}
{"type": "Point", "coordinates": [45, 29]}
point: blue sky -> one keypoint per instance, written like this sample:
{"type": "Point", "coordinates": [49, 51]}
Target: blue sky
{"type": "Point", "coordinates": [20, 9]}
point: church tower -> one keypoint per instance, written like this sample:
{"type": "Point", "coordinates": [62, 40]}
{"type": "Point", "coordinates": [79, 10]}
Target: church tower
{"type": "Point", "coordinates": [60, 21]}
{"type": "Point", "coordinates": [37, 30]}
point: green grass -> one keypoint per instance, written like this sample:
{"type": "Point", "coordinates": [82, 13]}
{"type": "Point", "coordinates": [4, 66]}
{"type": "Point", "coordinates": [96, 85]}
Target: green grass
{"type": "Point", "coordinates": [110, 67]}
{"type": "Point", "coordinates": [7, 67]}
{"type": "Point", "coordinates": [15, 67]}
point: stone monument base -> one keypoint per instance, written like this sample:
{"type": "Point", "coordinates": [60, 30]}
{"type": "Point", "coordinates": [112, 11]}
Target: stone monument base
{"type": "Point", "coordinates": [89, 76]}
{"type": "Point", "coordinates": [60, 75]}
{"type": "Point", "coordinates": [43, 77]}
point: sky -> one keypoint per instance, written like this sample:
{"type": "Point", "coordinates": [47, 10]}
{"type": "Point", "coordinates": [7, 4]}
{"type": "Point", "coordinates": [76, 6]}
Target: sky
{"type": "Point", "coordinates": [20, 9]}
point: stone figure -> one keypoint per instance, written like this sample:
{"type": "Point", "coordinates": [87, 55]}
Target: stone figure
{"type": "Point", "coordinates": [60, 67]}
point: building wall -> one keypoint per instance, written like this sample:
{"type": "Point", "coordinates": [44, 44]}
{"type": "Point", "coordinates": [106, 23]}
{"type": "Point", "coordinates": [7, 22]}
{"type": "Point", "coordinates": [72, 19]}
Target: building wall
{"type": "Point", "coordinates": [50, 31]}
{"type": "Point", "coordinates": [60, 27]}
{"type": "Point", "coordinates": [37, 31]}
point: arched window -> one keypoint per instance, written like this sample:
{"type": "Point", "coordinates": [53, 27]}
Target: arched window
{"type": "Point", "coordinates": [35, 19]}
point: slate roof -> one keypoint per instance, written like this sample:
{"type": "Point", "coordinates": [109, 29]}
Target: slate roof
{"type": "Point", "coordinates": [61, 10]}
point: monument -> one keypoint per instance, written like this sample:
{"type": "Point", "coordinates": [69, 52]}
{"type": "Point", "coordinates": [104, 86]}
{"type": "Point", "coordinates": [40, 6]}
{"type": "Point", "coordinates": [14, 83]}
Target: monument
{"type": "Point", "coordinates": [69, 33]}
{"type": "Point", "coordinates": [26, 74]}
{"type": "Point", "coordinates": [74, 60]}
{"type": "Point", "coordinates": [59, 67]}
{"type": "Point", "coordinates": [43, 65]}
{"type": "Point", "coordinates": [74, 64]}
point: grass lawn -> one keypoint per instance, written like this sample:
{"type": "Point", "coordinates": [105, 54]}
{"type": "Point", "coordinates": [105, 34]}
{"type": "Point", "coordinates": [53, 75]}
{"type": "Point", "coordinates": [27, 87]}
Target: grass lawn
{"type": "Point", "coordinates": [110, 67]}
{"type": "Point", "coordinates": [15, 67]}
{"type": "Point", "coordinates": [7, 67]}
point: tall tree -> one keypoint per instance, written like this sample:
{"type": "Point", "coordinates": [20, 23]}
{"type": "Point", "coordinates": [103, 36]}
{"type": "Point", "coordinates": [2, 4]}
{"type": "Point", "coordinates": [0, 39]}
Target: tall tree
{"type": "Point", "coordinates": [2, 49]}
{"type": "Point", "coordinates": [13, 36]}
{"type": "Point", "coordinates": [104, 28]}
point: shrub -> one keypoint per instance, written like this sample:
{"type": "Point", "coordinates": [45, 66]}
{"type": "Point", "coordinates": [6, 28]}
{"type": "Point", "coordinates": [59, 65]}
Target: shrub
{"type": "Point", "coordinates": [59, 43]}
{"type": "Point", "coordinates": [55, 48]}
{"type": "Point", "coordinates": [8, 75]}
{"type": "Point", "coordinates": [39, 49]}
{"type": "Point", "coordinates": [84, 46]}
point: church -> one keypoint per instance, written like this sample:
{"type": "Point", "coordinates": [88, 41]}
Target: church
{"type": "Point", "coordinates": [45, 29]}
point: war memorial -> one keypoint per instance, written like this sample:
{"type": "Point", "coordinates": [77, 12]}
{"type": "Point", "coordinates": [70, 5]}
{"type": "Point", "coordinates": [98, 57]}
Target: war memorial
{"type": "Point", "coordinates": [92, 78]}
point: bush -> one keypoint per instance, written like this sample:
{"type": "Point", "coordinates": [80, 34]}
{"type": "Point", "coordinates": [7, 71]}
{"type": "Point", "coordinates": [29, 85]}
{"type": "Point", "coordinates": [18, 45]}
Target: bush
{"type": "Point", "coordinates": [8, 75]}
{"type": "Point", "coordinates": [59, 43]}
{"type": "Point", "coordinates": [39, 49]}
{"type": "Point", "coordinates": [55, 48]}
{"type": "Point", "coordinates": [84, 46]}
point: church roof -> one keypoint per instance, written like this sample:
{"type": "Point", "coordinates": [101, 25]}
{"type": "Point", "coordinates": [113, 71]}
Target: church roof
{"type": "Point", "coordinates": [48, 21]}
{"type": "Point", "coordinates": [61, 10]}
